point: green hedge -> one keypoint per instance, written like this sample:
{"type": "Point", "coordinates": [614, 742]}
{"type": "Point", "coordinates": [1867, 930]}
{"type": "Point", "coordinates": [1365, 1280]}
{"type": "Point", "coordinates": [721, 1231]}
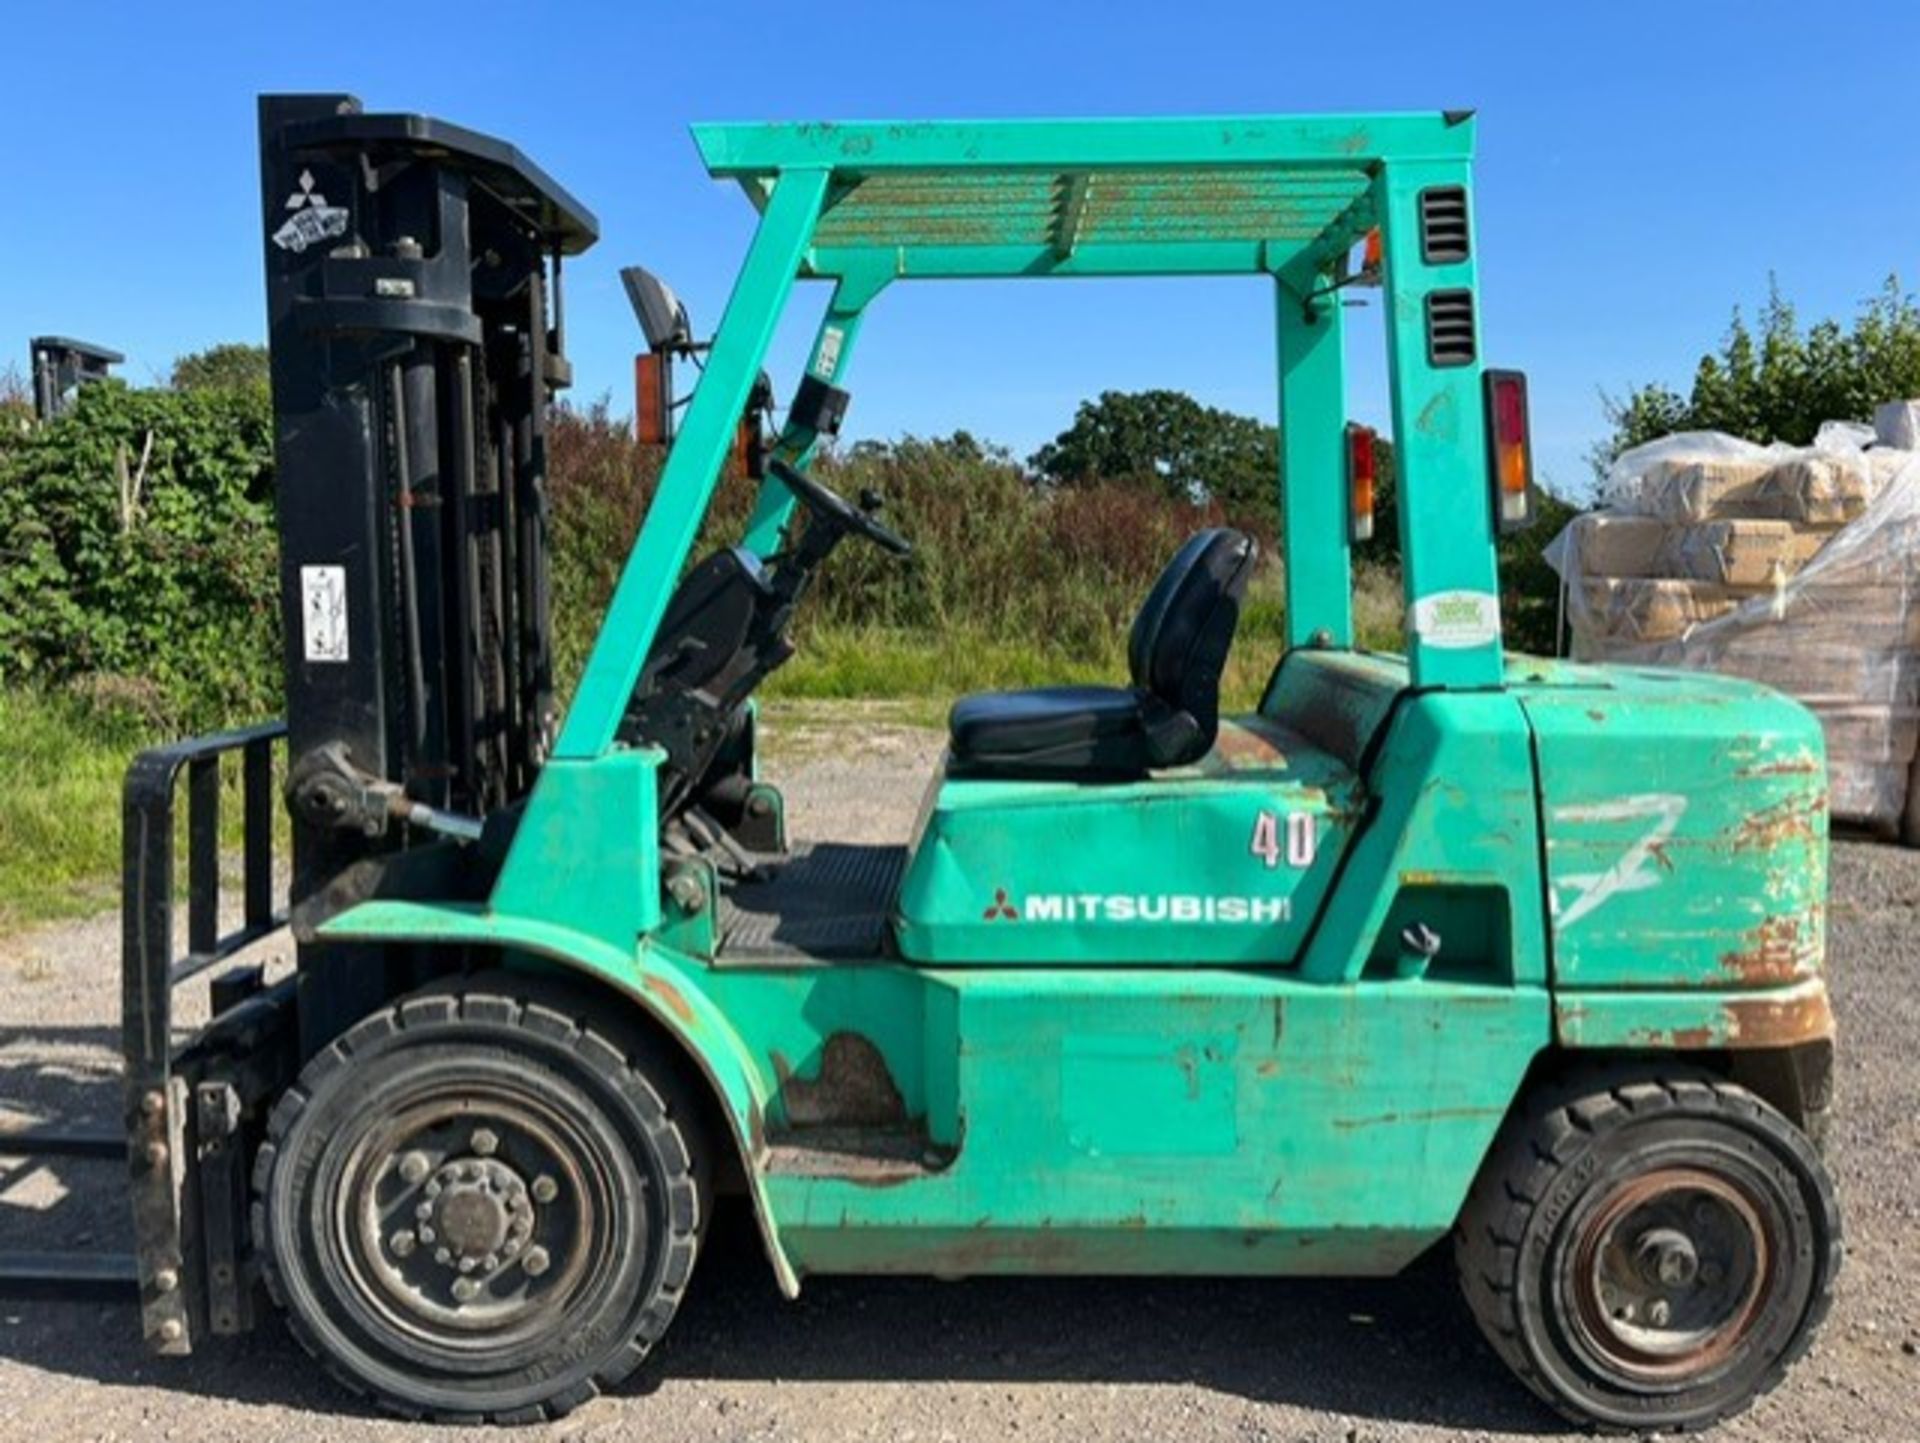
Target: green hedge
{"type": "Point", "coordinates": [137, 552]}
{"type": "Point", "coordinates": [137, 558]}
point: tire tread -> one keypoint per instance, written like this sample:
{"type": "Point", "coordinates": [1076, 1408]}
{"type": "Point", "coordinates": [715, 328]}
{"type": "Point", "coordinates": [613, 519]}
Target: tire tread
{"type": "Point", "coordinates": [1583, 1107]}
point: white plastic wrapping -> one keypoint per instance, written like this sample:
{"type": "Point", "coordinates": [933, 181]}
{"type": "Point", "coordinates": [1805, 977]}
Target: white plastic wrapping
{"type": "Point", "coordinates": [1789, 566]}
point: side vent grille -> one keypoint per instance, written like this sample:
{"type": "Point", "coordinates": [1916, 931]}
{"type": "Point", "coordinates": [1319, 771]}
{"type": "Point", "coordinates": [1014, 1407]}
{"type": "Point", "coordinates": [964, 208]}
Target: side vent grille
{"type": "Point", "coordinates": [1450, 330]}
{"type": "Point", "coordinates": [1443, 225]}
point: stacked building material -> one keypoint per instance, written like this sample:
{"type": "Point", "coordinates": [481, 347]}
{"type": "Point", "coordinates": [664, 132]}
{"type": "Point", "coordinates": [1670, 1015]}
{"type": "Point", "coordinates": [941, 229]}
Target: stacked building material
{"type": "Point", "coordinates": [1790, 567]}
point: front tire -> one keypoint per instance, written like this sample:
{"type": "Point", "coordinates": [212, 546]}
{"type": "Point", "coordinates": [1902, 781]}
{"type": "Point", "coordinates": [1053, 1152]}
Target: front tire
{"type": "Point", "coordinates": [474, 1207]}
{"type": "Point", "coordinates": [1649, 1251]}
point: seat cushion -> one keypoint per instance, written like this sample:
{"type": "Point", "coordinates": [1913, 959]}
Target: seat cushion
{"type": "Point", "coordinates": [1053, 731]}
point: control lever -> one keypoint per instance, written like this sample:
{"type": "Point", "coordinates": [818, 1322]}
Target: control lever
{"type": "Point", "coordinates": [1419, 945]}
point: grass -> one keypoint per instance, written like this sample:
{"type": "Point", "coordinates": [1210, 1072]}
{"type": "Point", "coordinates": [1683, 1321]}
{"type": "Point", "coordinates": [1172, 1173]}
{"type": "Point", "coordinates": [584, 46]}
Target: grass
{"type": "Point", "coordinates": [62, 761]}
{"type": "Point", "coordinates": [60, 769]}
{"type": "Point", "coordinates": [926, 671]}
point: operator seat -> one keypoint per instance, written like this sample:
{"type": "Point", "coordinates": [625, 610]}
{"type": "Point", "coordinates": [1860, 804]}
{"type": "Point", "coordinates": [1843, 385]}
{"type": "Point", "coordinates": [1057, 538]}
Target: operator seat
{"type": "Point", "coordinates": [1167, 718]}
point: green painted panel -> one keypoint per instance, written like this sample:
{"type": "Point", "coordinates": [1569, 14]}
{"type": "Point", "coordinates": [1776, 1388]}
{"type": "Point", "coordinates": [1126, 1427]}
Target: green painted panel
{"type": "Point", "coordinates": [1221, 862]}
{"type": "Point", "coordinates": [1297, 1127]}
{"type": "Point", "coordinates": [1686, 826]}
{"type": "Point", "coordinates": [1444, 495]}
{"type": "Point", "coordinates": [1456, 811]}
{"type": "Point", "coordinates": [586, 852]}
{"type": "Point", "coordinates": [1304, 142]}
{"type": "Point", "coordinates": [1129, 1095]}
{"type": "Point", "coordinates": [1338, 700]}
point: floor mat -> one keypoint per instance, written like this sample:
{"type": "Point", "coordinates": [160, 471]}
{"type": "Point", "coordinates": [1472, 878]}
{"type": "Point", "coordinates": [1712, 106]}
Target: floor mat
{"type": "Point", "coordinates": [831, 900]}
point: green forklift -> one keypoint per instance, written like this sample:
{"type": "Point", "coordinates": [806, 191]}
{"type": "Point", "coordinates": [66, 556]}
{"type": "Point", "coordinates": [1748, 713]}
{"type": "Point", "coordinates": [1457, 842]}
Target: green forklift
{"type": "Point", "coordinates": [1451, 948]}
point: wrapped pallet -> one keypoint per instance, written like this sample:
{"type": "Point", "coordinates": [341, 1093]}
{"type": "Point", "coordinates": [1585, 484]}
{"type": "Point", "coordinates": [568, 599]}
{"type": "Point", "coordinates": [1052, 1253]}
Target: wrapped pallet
{"type": "Point", "coordinates": [1792, 567]}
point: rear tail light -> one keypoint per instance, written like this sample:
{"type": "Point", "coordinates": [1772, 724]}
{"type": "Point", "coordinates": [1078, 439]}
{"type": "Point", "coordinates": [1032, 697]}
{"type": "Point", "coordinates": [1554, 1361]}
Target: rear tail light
{"type": "Point", "coordinates": [1360, 477]}
{"type": "Point", "coordinates": [1509, 450]}
{"type": "Point", "coordinates": [1372, 256]}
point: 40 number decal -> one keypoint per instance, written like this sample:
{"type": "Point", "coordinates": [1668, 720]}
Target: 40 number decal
{"type": "Point", "coordinates": [1296, 838]}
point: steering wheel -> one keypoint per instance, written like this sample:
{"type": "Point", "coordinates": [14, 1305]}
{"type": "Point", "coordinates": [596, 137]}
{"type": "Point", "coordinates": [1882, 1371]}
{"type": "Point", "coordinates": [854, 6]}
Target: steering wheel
{"type": "Point", "coordinates": [834, 509]}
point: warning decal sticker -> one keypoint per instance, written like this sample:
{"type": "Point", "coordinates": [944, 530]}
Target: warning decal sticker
{"type": "Point", "coordinates": [323, 613]}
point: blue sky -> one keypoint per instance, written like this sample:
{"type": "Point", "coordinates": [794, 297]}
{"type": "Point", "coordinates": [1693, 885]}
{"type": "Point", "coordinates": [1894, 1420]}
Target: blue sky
{"type": "Point", "coordinates": [1643, 167]}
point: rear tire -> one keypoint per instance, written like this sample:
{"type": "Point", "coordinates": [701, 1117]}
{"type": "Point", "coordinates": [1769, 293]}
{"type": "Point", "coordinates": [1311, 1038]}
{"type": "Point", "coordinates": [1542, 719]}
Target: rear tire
{"type": "Point", "coordinates": [1649, 1250]}
{"type": "Point", "coordinates": [473, 1207]}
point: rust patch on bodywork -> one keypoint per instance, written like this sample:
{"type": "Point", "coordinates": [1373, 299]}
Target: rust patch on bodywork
{"type": "Point", "coordinates": [1797, 819]}
{"type": "Point", "coordinates": [1249, 743]}
{"type": "Point", "coordinates": [1763, 1022]}
{"type": "Point", "coordinates": [671, 996]}
{"type": "Point", "coordinates": [853, 1087]}
{"type": "Point", "coordinates": [1804, 766]}
{"type": "Point", "coordinates": [1775, 953]}
{"type": "Point", "coordinates": [1778, 1018]}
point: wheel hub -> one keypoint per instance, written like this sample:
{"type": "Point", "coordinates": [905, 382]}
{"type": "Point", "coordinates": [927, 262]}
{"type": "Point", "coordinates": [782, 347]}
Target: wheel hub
{"type": "Point", "coordinates": [457, 1221]}
{"type": "Point", "coordinates": [476, 1213]}
{"type": "Point", "coordinates": [1669, 1273]}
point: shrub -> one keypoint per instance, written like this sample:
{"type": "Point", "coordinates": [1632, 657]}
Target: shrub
{"type": "Point", "coordinates": [232, 365]}
{"type": "Point", "coordinates": [1782, 384]}
{"type": "Point", "coordinates": [137, 541]}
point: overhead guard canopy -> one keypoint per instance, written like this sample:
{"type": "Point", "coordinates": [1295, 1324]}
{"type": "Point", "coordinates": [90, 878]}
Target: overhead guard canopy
{"type": "Point", "coordinates": [1215, 196]}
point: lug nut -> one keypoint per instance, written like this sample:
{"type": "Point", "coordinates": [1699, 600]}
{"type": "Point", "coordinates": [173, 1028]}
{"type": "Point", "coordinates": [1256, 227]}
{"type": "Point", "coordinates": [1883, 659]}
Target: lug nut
{"type": "Point", "coordinates": [423, 1211]}
{"type": "Point", "coordinates": [171, 1330]}
{"type": "Point", "coordinates": [490, 1263]}
{"type": "Point", "coordinates": [166, 1280]}
{"type": "Point", "coordinates": [441, 1255]}
{"type": "Point", "coordinates": [1658, 1312]}
{"type": "Point", "coordinates": [484, 1142]}
{"type": "Point", "coordinates": [427, 1234]}
{"type": "Point", "coordinates": [465, 1290]}
{"type": "Point", "coordinates": [413, 1168]}
{"type": "Point", "coordinates": [536, 1262]}
{"type": "Point", "coordinates": [401, 1244]}
{"type": "Point", "coordinates": [467, 1265]}
{"type": "Point", "coordinates": [545, 1189]}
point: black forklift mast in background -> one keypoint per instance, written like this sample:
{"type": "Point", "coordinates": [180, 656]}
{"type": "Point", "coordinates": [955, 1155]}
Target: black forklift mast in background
{"type": "Point", "coordinates": [61, 366]}
{"type": "Point", "coordinates": [415, 321]}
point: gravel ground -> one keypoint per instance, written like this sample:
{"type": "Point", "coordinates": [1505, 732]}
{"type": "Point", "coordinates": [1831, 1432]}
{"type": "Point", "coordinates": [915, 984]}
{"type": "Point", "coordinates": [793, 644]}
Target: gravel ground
{"type": "Point", "coordinates": [906, 1359]}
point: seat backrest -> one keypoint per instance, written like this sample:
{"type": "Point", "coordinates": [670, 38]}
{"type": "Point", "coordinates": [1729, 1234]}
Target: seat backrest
{"type": "Point", "coordinates": [1180, 640]}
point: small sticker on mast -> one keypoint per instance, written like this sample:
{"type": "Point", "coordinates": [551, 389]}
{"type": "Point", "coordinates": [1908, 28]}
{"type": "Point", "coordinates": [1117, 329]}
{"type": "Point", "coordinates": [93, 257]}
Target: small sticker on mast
{"type": "Point", "coordinates": [323, 613]}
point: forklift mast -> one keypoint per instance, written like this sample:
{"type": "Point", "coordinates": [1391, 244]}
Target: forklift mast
{"type": "Point", "coordinates": [415, 321]}
{"type": "Point", "coordinates": [61, 366]}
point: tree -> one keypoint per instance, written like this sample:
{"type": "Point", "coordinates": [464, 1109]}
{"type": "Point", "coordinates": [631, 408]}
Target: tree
{"type": "Point", "coordinates": [1168, 442]}
{"type": "Point", "coordinates": [1782, 384]}
{"type": "Point", "coordinates": [233, 365]}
